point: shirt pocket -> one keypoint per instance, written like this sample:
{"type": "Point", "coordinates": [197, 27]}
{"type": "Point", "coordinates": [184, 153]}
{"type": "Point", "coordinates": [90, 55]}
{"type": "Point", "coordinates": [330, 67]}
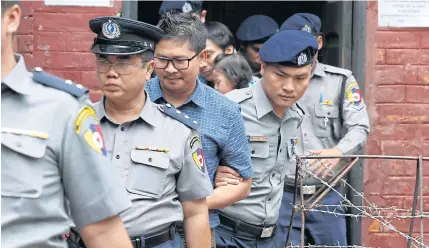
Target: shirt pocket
{"type": "Point", "coordinates": [325, 117]}
{"type": "Point", "coordinates": [148, 173]}
{"type": "Point", "coordinates": [259, 152]}
{"type": "Point", "coordinates": [22, 168]}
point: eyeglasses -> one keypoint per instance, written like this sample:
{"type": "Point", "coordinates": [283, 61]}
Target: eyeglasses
{"type": "Point", "coordinates": [120, 67]}
{"type": "Point", "coordinates": [178, 63]}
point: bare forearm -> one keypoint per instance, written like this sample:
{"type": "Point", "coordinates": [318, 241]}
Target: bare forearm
{"type": "Point", "coordinates": [226, 195]}
{"type": "Point", "coordinates": [197, 231]}
{"type": "Point", "coordinates": [109, 233]}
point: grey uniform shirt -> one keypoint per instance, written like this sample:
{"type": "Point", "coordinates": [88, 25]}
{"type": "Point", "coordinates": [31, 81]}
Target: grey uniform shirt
{"type": "Point", "coordinates": [322, 127]}
{"type": "Point", "coordinates": [46, 162]}
{"type": "Point", "coordinates": [270, 147]}
{"type": "Point", "coordinates": [157, 181]}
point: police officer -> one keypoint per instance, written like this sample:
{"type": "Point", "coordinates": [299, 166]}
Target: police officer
{"type": "Point", "coordinates": [337, 123]}
{"type": "Point", "coordinates": [193, 7]}
{"type": "Point", "coordinates": [52, 152]}
{"type": "Point", "coordinates": [272, 121]}
{"type": "Point", "coordinates": [252, 33]}
{"type": "Point", "coordinates": [156, 146]}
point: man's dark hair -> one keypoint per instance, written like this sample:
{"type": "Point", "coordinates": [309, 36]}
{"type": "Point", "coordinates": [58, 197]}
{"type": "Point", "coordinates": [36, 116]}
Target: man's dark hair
{"type": "Point", "coordinates": [184, 27]}
{"type": "Point", "coordinates": [235, 68]}
{"type": "Point", "coordinates": [220, 34]}
{"type": "Point", "coordinates": [5, 5]}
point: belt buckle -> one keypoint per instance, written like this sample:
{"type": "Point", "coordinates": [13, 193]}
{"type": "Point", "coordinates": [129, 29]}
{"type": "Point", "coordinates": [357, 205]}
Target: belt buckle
{"type": "Point", "coordinates": [308, 189]}
{"type": "Point", "coordinates": [267, 232]}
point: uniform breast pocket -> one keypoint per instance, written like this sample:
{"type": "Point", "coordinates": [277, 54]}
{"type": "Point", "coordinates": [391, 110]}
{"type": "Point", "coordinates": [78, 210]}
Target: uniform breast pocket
{"type": "Point", "coordinates": [259, 152]}
{"type": "Point", "coordinates": [22, 166]}
{"type": "Point", "coordinates": [148, 173]}
{"type": "Point", "coordinates": [325, 117]}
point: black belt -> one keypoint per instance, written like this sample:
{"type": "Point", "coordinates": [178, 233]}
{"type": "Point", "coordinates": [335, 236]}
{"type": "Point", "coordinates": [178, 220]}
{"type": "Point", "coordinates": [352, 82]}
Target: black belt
{"type": "Point", "coordinates": [258, 231]}
{"type": "Point", "coordinates": [156, 239]}
{"type": "Point", "coordinates": [307, 189]}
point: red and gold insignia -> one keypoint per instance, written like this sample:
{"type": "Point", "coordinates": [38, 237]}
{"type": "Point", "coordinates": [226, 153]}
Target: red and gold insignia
{"type": "Point", "coordinates": [94, 137]}
{"type": "Point", "coordinates": [198, 156]}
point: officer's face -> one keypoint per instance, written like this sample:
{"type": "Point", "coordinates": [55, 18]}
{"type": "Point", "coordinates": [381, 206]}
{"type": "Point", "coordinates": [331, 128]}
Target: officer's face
{"type": "Point", "coordinates": [212, 51]}
{"type": "Point", "coordinates": [252, 56]}
{"type": "Point", "coordinates": [179, 76]}
{"type": "Point", "coordinates": [126, 79]}
{"type": "Point", "coordinates": [284, 85]}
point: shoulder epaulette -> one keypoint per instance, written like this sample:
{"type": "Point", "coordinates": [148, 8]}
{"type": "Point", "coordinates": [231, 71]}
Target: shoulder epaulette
{"type": "Point", "coordinates": [240, 95]}
{"type": "Point", "coordinates": [58, 83]}
{"type": "Point", "coordinates": [337, 70]}
{"type": "Point", "coordinates": [178, 115]}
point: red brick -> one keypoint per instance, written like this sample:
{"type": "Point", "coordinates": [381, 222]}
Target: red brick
{"type": "Point", "coordinates": [380, 59]}
{"type": "Point", "coordinates": [49, 41]}
{"type": "Point", "coordinates": [397, 39]}
{"type": "Point", "coordinates": [25, 43]}
{"type": "Point", "coordinates": [403, 113]}
{"type": "Point", "coordinates": [389, 94]}
{"type": "Point", "coordinates": [390, 167]}
{"type": "Point", "coordinates": [64, 22]}
{"type": "Point", "coordinates": [417, 94]}
{"type": "Point", "coordinates": [404, 148]}
{"type": "Point", "coordinates": [423, 72]}
{"type": "Point", "coordinates": [65, 60]}
{"type": "Point", "coordinates": [25, 25]}
{"type": "Point", "coordinates": [403, 186]}
{"type": "Point", "coordinates": [385, 240]}
{"type": "Point", "coordinates": [408, 202]}
{"type": "Point", "coordinates": [407, 56]}
{"type": "Point", "coordinates": [386, 201]}
{"type": "Point", "coordinates": [395, 74]}
{"type": "Point", "coordinates": [373, 145]}
{"type": "Point", "coordinates": [400, 131]}
{"type": "Point", "coordinates": [79, 41]}
{"type": "Point", "coordinates": [26, 8]}
{"type": "Point", "coordinates": [425, 40]}
{"type": "Point", "coordinates": [29, 61]}
{"type": "Point", "coordinates": [89, 80]}
{"type": "Point", "coordinates": [101, 11]}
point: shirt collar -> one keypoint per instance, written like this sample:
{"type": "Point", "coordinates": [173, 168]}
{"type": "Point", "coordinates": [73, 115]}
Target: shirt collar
{"type": "Point", "coordinates": [263, 105]}
{"type": "Point", "coordinates": [19, 79]}
{"type": "Point", "coordinates": [198, 96]}
{"type": "Point", "coordinates": [147, 114]}
{"type": "Point", "coordinates": [318, 71]}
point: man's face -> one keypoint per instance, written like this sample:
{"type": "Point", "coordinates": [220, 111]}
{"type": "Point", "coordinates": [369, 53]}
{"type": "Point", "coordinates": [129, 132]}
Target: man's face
{"type": "Point", "coordinates": [284, 85]}
{"type": "Point", "coordinates": [252, 56]}
{"type": "Point", "coordinates": [126, 79]}
{"type": "Point", "coordinates": [179, 75]}
{"type": "Point", "coordinates": [212, 51]}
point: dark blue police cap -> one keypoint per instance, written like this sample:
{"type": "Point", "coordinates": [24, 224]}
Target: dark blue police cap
{"type": "Point", "coordinates": [121, 36]}
{"type": "Point", "coordinates": [257, 27]}
{"type": "Point", "coordinates": [181, 6]}
{"type": "Point", "coordinates": [291, 47]}
{"type": "Point", "coordinates": [303, 21]}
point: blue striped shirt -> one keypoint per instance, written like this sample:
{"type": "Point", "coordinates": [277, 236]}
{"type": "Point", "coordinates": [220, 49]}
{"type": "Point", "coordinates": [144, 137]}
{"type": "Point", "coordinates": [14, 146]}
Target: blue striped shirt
{"type": "Point", "coordinates": [221, 127]}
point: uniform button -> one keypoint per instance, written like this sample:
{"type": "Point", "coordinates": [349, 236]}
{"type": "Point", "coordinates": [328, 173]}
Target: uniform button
{"type": "Point", "coordinates": [269, 199]}
{"type": "Point", "coordinates": [280, 150]}
{"type": "Point", "coordinates": [273, 175]}
{"type": "Point", "coordinates": [117, 156]}
{"type": "Point", "coordinates": [150, 159]}
{"type": "Point", "coordinates": [122, 128]}
{"type": "Point", "coordinates": [329, 113]}
{"type": "Point", "coordinates": [253, 151]}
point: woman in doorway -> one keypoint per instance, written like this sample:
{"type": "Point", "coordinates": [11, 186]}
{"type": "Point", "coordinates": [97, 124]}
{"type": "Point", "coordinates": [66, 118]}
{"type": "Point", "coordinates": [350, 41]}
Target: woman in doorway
{"type": "Point", "coordinates": [231, 71]}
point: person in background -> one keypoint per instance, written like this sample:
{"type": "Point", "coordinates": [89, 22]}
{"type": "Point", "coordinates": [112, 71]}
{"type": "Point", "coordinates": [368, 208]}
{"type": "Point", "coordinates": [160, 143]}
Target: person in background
{"type": "Point", "coordinates": [52, 153]}
{"type": "Point", "coordinates": [252, 33]}
{"type": "Point", "coordinates": [219, 41]}
{"type": "Point", "coordinates": [231, 71]}
{"type": "Point", "coordinates": [193, 7]}
{"type": "Point", "coordinates": [337, 123]}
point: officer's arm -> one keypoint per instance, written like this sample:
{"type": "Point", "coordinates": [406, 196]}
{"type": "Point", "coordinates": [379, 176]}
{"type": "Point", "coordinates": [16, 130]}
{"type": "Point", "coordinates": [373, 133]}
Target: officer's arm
{"type": "Point", "coordinates": [196, 222]}
{"type": "Point", "coordinates": [355, 120]}
{"type": "Point", "coordinates": [106, 233]}
{"type": "Point", "coordinates": [235, 154]}
{"type": "Point", "coordinates": [91, 183]}
{"type": "Point", "coordinates": [193, 186]}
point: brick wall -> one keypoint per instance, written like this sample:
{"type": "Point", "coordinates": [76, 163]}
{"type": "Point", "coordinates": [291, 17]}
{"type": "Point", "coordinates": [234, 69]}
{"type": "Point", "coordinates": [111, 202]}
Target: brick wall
{"type": "Point", "coordinates": [57, 38]}
{"type": "Point", "coordinates": [397, 95]}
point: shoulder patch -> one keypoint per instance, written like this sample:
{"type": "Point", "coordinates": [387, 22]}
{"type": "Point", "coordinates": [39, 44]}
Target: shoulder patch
{"type": "Point", "coordinates": [176, 114]}
{"type": "Point", "coordinates": [337, 70]}
{"type": "Point", "coordinates": [58, 83]}
{"type": "Point", "coordinates": [240, 95]}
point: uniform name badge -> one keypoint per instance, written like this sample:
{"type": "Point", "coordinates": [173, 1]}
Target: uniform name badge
{"type": "Point", "coordinates": [257, 138]}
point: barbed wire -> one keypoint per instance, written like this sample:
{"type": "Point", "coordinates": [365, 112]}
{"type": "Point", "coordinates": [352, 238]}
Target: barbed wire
{"type": "Point", "coordinates": [372, 211]}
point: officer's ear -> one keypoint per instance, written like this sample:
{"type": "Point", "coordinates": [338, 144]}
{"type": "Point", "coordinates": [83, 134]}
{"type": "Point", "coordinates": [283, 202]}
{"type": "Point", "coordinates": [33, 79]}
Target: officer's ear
{"type": "Point", "coordinates": [11, 18]}
{"type": "Point", "coordinates": [320, 42]}
{"type": "Point", "coordinates": [150, 65]}
{"type": "Point", "coordinates": [263, 66]}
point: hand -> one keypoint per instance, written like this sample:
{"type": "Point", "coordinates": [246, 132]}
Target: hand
{"type": "Point", "coordinates": [322, 167]}
{"type": "Point", "coordinates": [226, 175]}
